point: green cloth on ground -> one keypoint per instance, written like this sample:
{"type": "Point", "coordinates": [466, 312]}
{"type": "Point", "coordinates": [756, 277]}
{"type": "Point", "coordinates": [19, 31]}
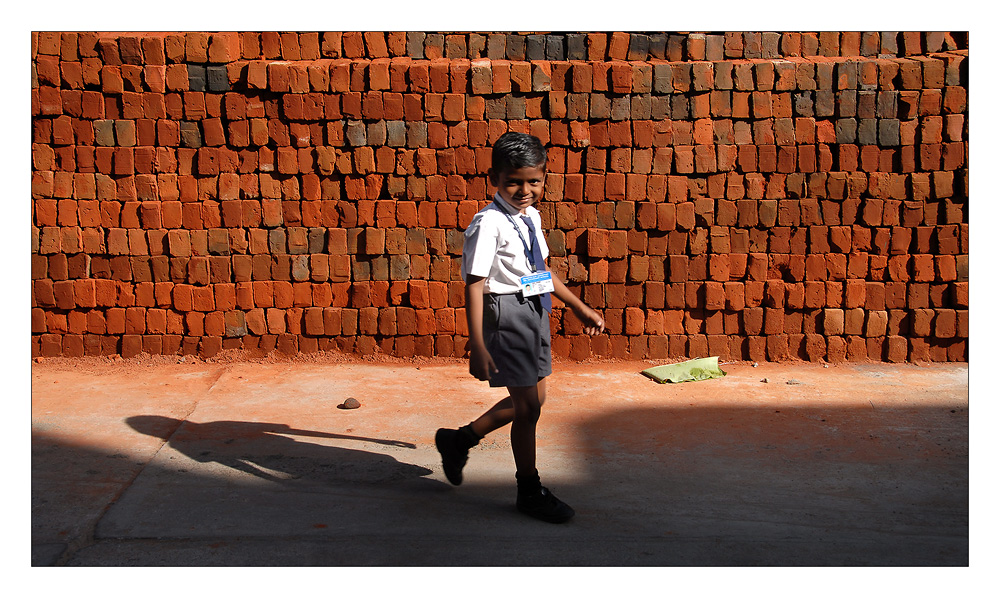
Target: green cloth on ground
{"type": "Point", "coordinates": [693, 370]}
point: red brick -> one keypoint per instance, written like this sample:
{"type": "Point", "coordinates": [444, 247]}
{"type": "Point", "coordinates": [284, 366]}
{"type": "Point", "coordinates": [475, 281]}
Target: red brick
{"type": "Point", "coordinates": [778, 347]}
{"type": "Point", "coordinates": [855, 293]}
{"type": "Point", "coordinates": [715, 295]}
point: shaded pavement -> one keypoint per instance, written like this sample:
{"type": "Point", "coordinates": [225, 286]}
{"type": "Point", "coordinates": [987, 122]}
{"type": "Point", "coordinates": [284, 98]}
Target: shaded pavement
{"type": "Point", "coordinates": [251, 463]}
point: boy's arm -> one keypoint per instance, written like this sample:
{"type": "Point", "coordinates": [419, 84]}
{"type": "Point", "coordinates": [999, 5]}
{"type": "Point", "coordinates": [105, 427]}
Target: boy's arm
{"type": "Point", "coordinates": [480, 362]}
{"type": "Point", "coordinates": [593, 323]}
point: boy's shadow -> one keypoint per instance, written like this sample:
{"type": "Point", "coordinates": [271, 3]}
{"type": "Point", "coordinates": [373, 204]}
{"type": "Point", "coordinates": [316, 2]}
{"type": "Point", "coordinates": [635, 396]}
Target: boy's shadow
{"type": "Point", "coordinates": [267, 451]}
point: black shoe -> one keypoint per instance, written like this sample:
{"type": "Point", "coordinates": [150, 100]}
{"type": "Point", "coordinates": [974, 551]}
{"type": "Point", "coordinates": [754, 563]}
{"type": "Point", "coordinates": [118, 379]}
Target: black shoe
{"type": "Point", "coordinates": [453, 457]}
{"type": "Point", "coordinates": [545, 506]}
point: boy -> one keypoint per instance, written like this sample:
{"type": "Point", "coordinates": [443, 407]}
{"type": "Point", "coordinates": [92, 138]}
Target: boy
{"type": "Point", "coordinates": [507, 303]}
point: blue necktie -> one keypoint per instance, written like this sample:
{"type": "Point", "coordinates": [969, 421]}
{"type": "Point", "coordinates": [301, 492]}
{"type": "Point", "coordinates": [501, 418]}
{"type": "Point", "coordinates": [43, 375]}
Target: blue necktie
{"type": "Point", "coordinates": [537, 261]}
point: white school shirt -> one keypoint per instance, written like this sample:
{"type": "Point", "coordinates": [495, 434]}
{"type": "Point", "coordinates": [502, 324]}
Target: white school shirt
{"type": "Point", "coordinates": [494, 251]}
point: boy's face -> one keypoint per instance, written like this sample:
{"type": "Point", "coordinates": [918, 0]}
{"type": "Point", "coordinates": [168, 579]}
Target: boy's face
{"type": "Point", "coordinates": [519, 187]}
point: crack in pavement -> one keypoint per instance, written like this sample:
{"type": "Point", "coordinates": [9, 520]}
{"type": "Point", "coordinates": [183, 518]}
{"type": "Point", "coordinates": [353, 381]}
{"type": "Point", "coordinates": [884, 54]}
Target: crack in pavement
{"type": "Point", "coordinates": [89, 536]}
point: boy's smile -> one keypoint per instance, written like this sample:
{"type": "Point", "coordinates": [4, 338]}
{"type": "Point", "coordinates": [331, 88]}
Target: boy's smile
{"type": "Point", "coordinates": [521, 187]}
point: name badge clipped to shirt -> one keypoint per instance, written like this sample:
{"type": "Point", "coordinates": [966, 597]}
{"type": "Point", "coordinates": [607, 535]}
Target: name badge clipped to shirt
{"type": "Point", "coordinates": [537, 283]}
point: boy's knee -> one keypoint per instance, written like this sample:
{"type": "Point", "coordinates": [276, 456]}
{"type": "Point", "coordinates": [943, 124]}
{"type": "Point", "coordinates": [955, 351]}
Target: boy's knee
{"type": "Point", "coordinates": [527, 409]}
{"type": "Point", "coordinates": [528, 414]}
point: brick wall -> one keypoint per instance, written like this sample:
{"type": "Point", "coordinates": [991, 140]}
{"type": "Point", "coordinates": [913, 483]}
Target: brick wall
{"type": "Point", "coordinates": [752, 195]}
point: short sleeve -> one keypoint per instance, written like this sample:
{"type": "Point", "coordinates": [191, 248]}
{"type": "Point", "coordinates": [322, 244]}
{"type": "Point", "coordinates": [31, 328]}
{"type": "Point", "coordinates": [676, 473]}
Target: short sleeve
{"type": "Point", "coordinates": [480, 247]}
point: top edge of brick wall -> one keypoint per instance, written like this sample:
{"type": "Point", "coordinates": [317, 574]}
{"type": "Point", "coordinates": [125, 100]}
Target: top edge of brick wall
{"type": "Point", "coordinates": [223, 47]}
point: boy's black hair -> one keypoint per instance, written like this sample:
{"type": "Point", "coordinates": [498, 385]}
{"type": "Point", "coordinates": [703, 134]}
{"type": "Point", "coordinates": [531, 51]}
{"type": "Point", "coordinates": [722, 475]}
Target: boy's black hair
{"type": "Point", "coordinates": [518, 150]}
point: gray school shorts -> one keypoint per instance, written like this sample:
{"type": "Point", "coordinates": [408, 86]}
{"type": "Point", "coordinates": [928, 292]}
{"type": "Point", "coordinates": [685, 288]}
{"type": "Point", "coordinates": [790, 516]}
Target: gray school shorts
{"type": "Point", "coordinates": [517, 335]}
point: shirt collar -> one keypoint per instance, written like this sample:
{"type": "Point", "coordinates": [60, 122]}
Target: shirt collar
{"type": "Point", "coordinates": [511, 210]}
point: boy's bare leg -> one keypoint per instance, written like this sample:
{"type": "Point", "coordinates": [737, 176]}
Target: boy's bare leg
{"type": "Point", "coordinates": [532, 498]}
{"type": "Point", "coordinates": [527, 406]}
{"type": "Point", "coordinates": [498, 415]}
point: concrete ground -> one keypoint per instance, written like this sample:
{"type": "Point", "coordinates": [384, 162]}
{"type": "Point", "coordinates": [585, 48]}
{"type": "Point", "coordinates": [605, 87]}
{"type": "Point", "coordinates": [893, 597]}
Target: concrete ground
{"type": "Point", "coordinates": [181, 462]}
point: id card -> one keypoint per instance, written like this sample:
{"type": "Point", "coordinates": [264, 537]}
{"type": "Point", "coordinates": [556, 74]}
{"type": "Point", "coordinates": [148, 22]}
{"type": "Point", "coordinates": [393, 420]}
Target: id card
{"type": "Point", "coordinates": [537, 284]}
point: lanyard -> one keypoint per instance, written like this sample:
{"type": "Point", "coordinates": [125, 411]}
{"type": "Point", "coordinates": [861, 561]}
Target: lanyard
{"type": "Point", "coordinates": [520, 235]}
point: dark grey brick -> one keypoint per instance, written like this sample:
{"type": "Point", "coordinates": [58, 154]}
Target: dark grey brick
{"type": "Point", "coordinates": [752, 45]}
{"type": "Point", "coordinates": [416, 134]}
{"type": "Point", "coordinates": [803, 103]}
{"type": "Point", "coordinates": [675, 47]}
{"type": "Point", "coordinates": [496, 107]}
{"type": "Point", "coordinates": [454, 240]}
{"type": "Point", "coordinates": [723, 75]}
{"type": "Point", "coordinates": [824, 103]}
{"type": "Point", "coordinates": [276, 241]}
{"type": "Point", "coordinates": [621, 107]}
{"type": "Point", "coordinates": [888, 106]}
{"type": "Point", "coordinates": [662, 78]}
{"type": "Point", "coordinates": [380, 268]}
{"type": "Point", "coordinates": [848, 73]}
{"type": "Point", "coordinates": [317, 239]}
{"type": "Point", "coordinates": [680, 108]}
{"type": "Point", "coordinates": [515, 47]}
{"type": "Point", "coordinates": [600, 106]}
{"type": "Point", "coordinates": [218, 78]}
{"type": "Point", "coordinates": [888, 132]}
{"type": "Point", "coordinates": [846, 130]}
{"type": "Point", "coordinates": [847, 103]}
{"type": "Point", "coordinates": [641, 106]}
{"type": "Point", "coordinates": [715, 47]}
{"type": "Point", "coordinates": [434, 40]}
{"type": "Point", "coordinates": [455, 46]}
{"type": "Point", "coordinates": [197, 77]}
{"type": "Point", "coordinates": [658, 45]}
{"type": "Point", "coordinates": [576, 46]}
{"type": "Point", "coordinates": [770, 44]}
{"type": "Point", "coordinates": [824, 76]}
{"type": "Point", "coordinates": [555, 47]}
{"type": "Point", "coordinates": [496, 46]}
{"type": "Point", "coordinates": [415, 44]}
{"type": "Point", "coordinates": [399, 267]}
{"type": "Point", "coordinates": [355, 133]}
{"type": "Point", "coordinates": [361, 269]}
{"type": "Point", "coordinates": [659, 107]}
{"type": "Point", "coordinates": [869, 44]}
{"type": "Point", "coordinates": [890, 46]}
{"type": "Point", "coordinates": [867, 131]}
{"type": "Point", "coordinates": [535, 47]}
{"type": "Point", "coordinates": [642, 78]}
{"type": "Point", "coordinates": [515, 108]}
{"type": "Point", "coordinates": [477, 45]}
{"type": "Point", "coordinates": [638, 46]}
{"type": "Point", "coordinates": [577, 106]}
{"type": "Point", "coordinates": [395, 133]}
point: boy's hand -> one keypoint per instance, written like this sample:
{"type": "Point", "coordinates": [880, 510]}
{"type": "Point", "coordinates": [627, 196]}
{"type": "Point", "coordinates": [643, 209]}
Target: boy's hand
{"type": "Point", "coordinates": [592, 321]}
{"type": "Point", "coordinates": [481, 364]}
